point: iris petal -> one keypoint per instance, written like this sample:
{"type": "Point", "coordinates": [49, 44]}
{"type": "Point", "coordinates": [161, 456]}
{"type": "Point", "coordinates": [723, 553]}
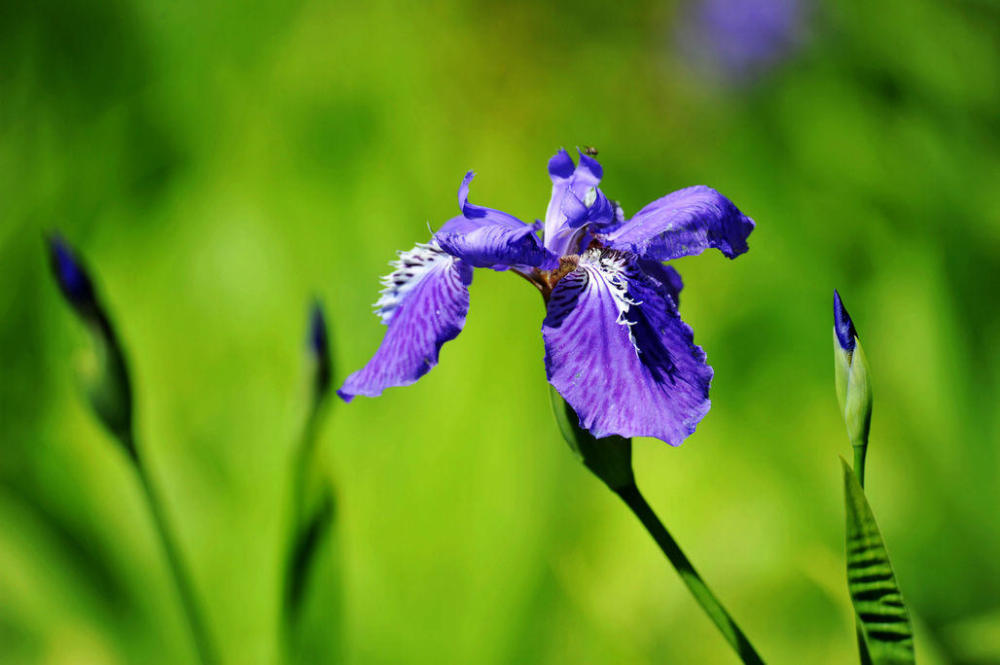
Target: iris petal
{"type": "Point", "coordinates": [423, 304]}
{"type": "Point", "coordinates": [665, 277]}
{"type": "Point", "coordinates": [684, 223]}
{"type": "Point", "coordinates": [619, 354]}
{"type": "Point", "coordinates": [488, 238]}
{"type": "Point", "coordinates": [575, 201]}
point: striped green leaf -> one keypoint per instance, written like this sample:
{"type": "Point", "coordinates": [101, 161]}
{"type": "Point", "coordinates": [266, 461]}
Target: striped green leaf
{"type": "Point", "coordinates": [877, 600]}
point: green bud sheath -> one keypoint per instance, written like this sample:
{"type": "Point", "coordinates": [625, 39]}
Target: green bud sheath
{"type": "Point", "coordinates": [858, 402]}
{"type": "Point", "coordinates": [107, 383]}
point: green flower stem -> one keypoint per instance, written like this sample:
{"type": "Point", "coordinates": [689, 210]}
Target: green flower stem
{"type": "Point", "coordinates": [310, 516]}
{"type": "Point", "coordinates": [303, 455]}
{"type": "Point", "coordinates": [860, 452]}
{"type": "Point", "coordinates": [633, 498]}
{"type": "Point", "coordinates": [299, 517]}
{"type": "Point", "coordinates": [199, 632]}
{"type": "Point", "coordinates": [610, 459]}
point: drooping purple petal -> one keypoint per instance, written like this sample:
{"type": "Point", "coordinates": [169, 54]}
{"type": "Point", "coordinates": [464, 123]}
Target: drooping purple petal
{"type": "Point", "coordinates": [576, 199]}
{"type": "Point", "coordinates": [619, 354]}
{"type": "Point", "coordinates": [684, 223]}
{"type": "Point", "coordinates": [424, 304]}
{"type": "Point", "coordinates": [488, 238]}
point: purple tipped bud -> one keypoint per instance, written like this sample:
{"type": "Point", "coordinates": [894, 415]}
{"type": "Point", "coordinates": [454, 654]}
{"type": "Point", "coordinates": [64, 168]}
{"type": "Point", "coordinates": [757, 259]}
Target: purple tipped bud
{"type": "Point", "coordinates": [70, 274]}
{"type": "Point", "coordinates": [317, 330]}
{"type": "Point", "coordinates": [319, 347]}
{"type": "Point", "coordinates": [842, 324]}
{"type": "Point", "coordinates": [854, 388]}
{"type": "Point", "coordinates": [108, 385]}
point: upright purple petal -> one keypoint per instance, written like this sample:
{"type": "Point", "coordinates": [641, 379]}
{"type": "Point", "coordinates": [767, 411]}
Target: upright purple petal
{"type": "Point", "coordinates": [575, 201]}
{"type": "Point", "coordinates": [424, 304]}
{"type": "Point", "coordinates": [488, 238]}
{"type": "Point", "coordinates": [684, 223]}
{"type": "Point", "coordinates": [619, 354]}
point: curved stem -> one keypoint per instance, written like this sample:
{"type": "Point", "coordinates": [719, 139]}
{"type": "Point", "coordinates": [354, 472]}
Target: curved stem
{"type": "Point", "coordinates": [199, 632]}
{"type": "Point", "coordinates": [633, 498]}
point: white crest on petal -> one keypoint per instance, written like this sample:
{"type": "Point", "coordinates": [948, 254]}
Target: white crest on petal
{"type": "Point", "coordinates": [612, 268]}
{"type": "Point", "coordinates": [408, 271]}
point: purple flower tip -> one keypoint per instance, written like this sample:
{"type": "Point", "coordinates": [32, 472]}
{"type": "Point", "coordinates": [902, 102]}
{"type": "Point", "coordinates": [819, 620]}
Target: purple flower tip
{"type": "Point", "coordinates": [318, 342]}
{"type": "Point", "coordinates": [842, 324]}
{"type": "Point", "coordinates": [73, 280]}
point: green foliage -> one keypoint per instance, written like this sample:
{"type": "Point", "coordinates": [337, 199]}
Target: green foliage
{"type": "Point", "coordinates": [219, 165]}
{"type": "Point", "coordinates": [877, 600]}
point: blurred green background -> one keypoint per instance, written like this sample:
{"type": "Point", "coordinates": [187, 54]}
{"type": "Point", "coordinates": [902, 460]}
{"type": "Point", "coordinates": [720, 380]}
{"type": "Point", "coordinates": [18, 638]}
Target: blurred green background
{"type": "Point", "coordinates": [218, 164]}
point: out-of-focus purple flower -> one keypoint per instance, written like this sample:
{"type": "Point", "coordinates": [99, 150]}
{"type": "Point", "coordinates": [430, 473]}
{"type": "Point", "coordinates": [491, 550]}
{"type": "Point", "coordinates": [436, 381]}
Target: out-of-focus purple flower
{"type": "Point", "coordinates": [616, 348]}
{"type": "Point", "coordinates": [740, 39]}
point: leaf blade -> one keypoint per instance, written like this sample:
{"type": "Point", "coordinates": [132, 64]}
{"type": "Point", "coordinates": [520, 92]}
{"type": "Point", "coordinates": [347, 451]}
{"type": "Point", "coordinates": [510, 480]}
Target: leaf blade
{"type": "Point", "coordinates": [878, 602]}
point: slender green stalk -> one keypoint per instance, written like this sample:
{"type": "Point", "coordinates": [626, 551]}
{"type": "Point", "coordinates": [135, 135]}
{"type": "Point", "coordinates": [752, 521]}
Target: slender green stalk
{"type": "Point", "coordinates": [610, 459]}
{"type": "Point", "coordinates": [309, 503]}
{"type": "Point", "coordinates": [859, 462]}
{"type": "Point", "coordinates": [303, 455]}
{"type": "Point", "coordinates": [633, 498]}
{"type": "Point", "coordinates": [860, 451]}
{"type": "Point", "coordinates": [185, 588]}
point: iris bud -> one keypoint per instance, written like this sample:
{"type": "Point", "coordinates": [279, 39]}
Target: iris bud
{"type": "Point", "coordinates": [319, 352]}
{"type": "Point", "coordinates": [854, 388]}
{"type": "Point", "coordinates": [106, 380]}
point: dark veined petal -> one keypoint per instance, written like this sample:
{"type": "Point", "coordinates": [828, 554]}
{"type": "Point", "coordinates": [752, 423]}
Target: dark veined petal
{"type": "Point", "coordinates": [424, 304]}
{"type": "Point", "coordinates": [666, 277]}
{"type": "Point", "coordinates": [684, 223]}
{"type": "Point", "coordinates": [619, 354]}
{"type": "Point", "coordinates": [576, 199]}
{"type": "Point", "coordinates": [487, 238]}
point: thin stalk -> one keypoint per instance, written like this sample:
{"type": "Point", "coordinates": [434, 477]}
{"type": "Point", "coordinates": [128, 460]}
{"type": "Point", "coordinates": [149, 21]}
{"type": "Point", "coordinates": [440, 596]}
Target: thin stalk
{"type": "Point", "coordinates": [185, 588]}
{"type": "Point", "coordinates": [860, 451]}
{"type": "Point", "coordinates": [303, 455]}
{"type": "Point", "coordinates": [310, 514]}
{"type": "Point", "coordinates": [633, 498]}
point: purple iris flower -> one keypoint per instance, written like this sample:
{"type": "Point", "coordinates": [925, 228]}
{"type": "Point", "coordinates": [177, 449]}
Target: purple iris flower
{"type": "Point", "coordinates": [616, 348]}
